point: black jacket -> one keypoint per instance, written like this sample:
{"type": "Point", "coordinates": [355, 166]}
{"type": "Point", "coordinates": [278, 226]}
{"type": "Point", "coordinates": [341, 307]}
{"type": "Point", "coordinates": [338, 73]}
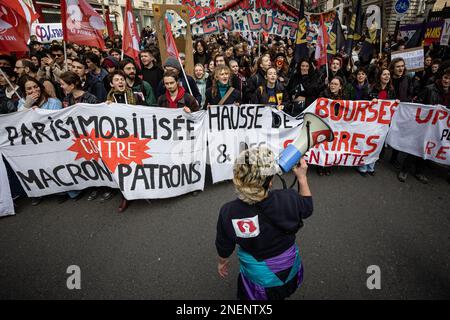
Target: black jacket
{"type": "Point", "coordinates": [254, 82]}
{"type": "Point", "coordinates": [234, 97]}
{"type": "Point", "coordinates": [96, 87]}
{"type": "Point", "coordinates": [262, 97]}
{"type": "Point", "coordinates": [434, 94]}
{"type": "Point", "coordinates": [153, 76]}
{"type": "Point", "coordinates": [234, 81]}
{"type": "Point", "coordinates": [6, 105]}
{"type": "Point", "coordinates": [284, 208]}
{"type": "Point", "coordinates": [87, 97]}
{"type": "Point", "coordinates": [374, 93]}
{"type": "Point", "coordinates": [331, 76]}
{"type": "Point", "coordinates": [352, 90]}
{"type": "Point", "coordinates": [306, 86]}
{"type": "Point", "coordinates": [201, 58]}
{"type": "Point", "coordinates": [404, 88]}
{"type": "Point", "coordinates": [327, 94]}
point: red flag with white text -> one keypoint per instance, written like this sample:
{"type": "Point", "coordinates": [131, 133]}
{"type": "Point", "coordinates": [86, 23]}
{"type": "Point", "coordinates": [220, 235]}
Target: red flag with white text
{"type": "Point", "coordinates": [171, 47]}
{"type": "Point", "coordinates": [23, 9]}
{"type": "Point", "coordinates": [15, 20]}
{"type": "Point", "coordinates": [82, 24]}
{"type": "Point", "coordinates": [130, 42]}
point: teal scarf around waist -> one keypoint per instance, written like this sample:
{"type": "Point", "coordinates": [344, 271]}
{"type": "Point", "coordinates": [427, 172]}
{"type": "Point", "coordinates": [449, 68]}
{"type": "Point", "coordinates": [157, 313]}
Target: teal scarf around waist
{"type": "Point", "coordinates": [258, 272]}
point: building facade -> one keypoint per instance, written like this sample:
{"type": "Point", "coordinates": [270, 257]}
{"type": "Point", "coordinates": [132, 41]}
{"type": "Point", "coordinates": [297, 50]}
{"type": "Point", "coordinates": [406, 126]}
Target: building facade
{"type": "Point", "coordinates": [50, 11]}
{"type": "Point", "coordinates": [143, 11]}
{"type": "Point", "coordinates": [418, 10]}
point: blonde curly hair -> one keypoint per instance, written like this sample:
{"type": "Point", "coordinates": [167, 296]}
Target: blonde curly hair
{"type": "Point", "coordinates": [250, 173]}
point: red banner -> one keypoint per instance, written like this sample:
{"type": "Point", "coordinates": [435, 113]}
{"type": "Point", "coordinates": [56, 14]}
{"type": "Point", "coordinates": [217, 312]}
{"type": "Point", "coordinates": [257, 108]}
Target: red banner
{"type": "Point", "coordinates": [22, 9]}
{"type": "Point", "coordinates": [130, 43]}
{"type": "Point", "coordinates": [82, 24]}
{"type": "Point", "coordinates": [14, 26]}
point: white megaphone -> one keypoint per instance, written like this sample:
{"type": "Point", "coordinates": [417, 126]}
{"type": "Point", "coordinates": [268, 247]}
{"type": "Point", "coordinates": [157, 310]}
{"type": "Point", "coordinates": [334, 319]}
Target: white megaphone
{"type": "Point", "coordinates": [314, 131]}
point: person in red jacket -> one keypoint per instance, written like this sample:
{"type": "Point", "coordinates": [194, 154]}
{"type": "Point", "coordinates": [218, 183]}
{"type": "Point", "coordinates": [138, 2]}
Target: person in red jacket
{"type": "Point", "coordinates": [175, 95]}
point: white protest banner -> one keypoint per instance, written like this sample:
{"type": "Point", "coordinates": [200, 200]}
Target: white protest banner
{"type": "Point", "coordinates": [233, 129]}
{"type": "Point", "coordinates": [47, 32]}
{"type": "Point", "coordinates": [6, 202]}
{"type": "Point", "coordinates": [445, 33]}
{"type": "Point", "coordinates": [285, 129]}
{"type": "Point", "coordinates": [360, 129]}
{"type": "Point", "coordinates": [422, 130]}
{"type": "Point", "coordinates": [241, 16]}
{"type": "Point", "coordinates": [146, 152]}
{"type": "Point", "coordinates": [413, 58]}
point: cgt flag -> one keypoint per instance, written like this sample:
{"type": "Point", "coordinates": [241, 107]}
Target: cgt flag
{"type": "Point", "coordinates": [130, 44]}
{"type": "Point", "coordinates": [15, 20]}
{"type": "Point", "coordinates": [82, 24]}
{"type": "Point", "coordinates": [301, 49]}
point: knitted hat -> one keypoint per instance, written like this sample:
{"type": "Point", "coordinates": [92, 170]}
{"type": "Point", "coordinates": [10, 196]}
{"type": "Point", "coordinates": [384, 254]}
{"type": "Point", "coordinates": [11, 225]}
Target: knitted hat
{"type": "Point", "coordinates": [172, 62]}
{"type": "Point", "coordinates": [110, 62]}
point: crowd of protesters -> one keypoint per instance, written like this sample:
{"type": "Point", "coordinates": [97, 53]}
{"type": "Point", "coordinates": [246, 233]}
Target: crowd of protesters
{"type": "Point", "coordinates": [227, 70]}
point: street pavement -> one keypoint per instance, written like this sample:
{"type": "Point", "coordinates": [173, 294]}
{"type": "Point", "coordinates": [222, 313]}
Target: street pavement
{"type": "Point", "coordinates": [165, 249]}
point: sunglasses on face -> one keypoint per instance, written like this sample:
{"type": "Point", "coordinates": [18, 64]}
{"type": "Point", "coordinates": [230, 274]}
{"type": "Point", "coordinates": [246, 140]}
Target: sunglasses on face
{"type": "Point", "coordinates": [57, 55]}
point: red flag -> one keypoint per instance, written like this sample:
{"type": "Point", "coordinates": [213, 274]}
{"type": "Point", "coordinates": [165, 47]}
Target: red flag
{"type": "Point", "coordinates": [82, 24]}
{"type": "Point", "coordinates": [171, 47]}
{"type": "Point", "coordinates": [23, 9]}
{"type": "Point", "coordinates": [109, 25]}
{"type": "Point", "coordinates": [322, 44]}
{"type": "Point", "coordinates": [38, 8]}
{"type": "Point", "coordinates": [14, 27]}
{"type": "Point", "coordinates": [130, 43]}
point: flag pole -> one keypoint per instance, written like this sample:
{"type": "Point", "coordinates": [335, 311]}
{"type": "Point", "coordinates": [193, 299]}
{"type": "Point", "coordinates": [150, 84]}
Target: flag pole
{"type": "Point", "coordinates": [10, 84]}
{"type": "Point", "coordinates": [259, 31]}
{"type": "Point", "coordinates": [65, 54]}
{"type": "Point", "coordinates": [381, 41]}
{"type": "Point", "coordinates": [184, 73]}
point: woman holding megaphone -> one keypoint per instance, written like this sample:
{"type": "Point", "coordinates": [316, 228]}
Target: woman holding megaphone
{"type": "Point", "coordinates": [263, 223]}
